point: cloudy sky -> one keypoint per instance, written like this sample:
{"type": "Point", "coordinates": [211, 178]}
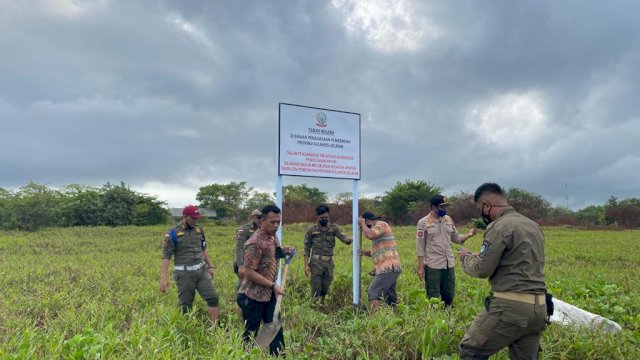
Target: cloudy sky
{"type": "Point", "coordinates": [168, 96]}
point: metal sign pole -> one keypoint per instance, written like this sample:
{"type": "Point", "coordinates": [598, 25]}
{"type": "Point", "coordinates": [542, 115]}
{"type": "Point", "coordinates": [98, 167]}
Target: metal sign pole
{"type": "Point", "coordinates": [356, 246]}
{"type": "Point", "coordinates": [279, 232]}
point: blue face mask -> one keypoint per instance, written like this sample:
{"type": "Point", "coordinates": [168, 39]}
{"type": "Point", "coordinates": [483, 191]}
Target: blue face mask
{"type": "Point", "coordinates": [442, 213]}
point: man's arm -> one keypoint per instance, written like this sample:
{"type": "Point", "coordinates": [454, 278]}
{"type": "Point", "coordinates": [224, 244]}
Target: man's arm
{"type": "Point", "coordinates": [168, 249]}
{"type": "Point", "coordinates": [260, 280]}
{"type": "Point", "coordinates": [164, 275]}
{"type": "Point", "coordinates": [345, 239]}
{"type": "Point", "coordinates": [485, 263]}
{"type": "Point", "coordinates": [420, 247]}
{"type": "Point", "coordinates": [207, 260]}
{"type": "Point", "coordinates": [307, 251]}
{"type": "Point", "coordinates": [368, 233]}
{"type": "Point", "coordinates": [460, 239]}
{"type": "Point", "coordinates": [240, 239]}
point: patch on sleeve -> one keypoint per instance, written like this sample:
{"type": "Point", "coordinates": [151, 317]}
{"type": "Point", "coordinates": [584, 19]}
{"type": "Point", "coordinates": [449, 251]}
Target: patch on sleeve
{"type": "Point", "coordinates": [483, 249]}
{"type": "Point", "coordinates": [420, 234]}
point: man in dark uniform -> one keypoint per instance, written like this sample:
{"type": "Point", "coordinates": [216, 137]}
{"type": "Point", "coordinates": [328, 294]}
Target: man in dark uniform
{"type": "Point", "coordinates": [257, 294]}
{"type": "Point", "coordinates": [318, 245]}
{"type": "Point", "coordinates": [512, 257]}
{"type": "Point", "coordinates": [193, 268]}
{"type": "Point", "coordinates": [242, 235]}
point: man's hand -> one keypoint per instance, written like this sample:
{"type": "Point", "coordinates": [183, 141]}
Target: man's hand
{"type": "Point", "coordinates": [212, 271]}
{"type": "Point", "coordinates": [464, 252]}
{"type": "Point", "coordinates": [164, 284]}
{"type": "Point", "coordinates": [361, 222]}
{"type": "Point", "coordinates": [349, 240]}
{"type": "Point", "coordinates": [307, 270]}
{"type": "Point", "coordinates": [287, 250]}
{"type": "Point", "coordinates": [364, 252]}
{"type": "Point", "coordinates": [473, 231]}
{"type": "Point", "coordinates": [421, 272]}
{"type": "Point", "coordinates": [278, 290]}
{"type": "Point", "coordinates": [241, 271]}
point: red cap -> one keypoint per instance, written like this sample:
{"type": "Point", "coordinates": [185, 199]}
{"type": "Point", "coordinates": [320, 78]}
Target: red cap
{"type": "Point", "coordinates": [191, 211]}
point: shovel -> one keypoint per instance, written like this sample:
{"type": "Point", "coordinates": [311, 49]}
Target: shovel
{"type": "Point", "coordinates": [268, 332]}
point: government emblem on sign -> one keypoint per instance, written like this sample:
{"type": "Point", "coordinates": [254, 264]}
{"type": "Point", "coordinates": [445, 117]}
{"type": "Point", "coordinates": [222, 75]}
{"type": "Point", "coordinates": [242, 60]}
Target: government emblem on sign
{"type": "Point", "coordinates": [321, 120]}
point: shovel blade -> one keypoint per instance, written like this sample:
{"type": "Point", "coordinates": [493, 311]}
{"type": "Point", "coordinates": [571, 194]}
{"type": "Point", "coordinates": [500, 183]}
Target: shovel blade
{"type": "Point", "coordinates": [267, 333]}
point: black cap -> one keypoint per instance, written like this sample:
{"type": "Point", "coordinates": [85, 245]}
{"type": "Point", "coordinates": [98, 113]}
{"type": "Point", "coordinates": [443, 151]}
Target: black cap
{"type": "Point", "coordinates": [439, 200]}
{"type": "Point", "coordinates": [368, 215]}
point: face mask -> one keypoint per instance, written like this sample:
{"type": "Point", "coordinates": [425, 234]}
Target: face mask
{"type": "Point", "coordinates": [442, 213]}
{"type": "Point", "coordinates": [486, 218]}
{"type": "Point", "coordinates": [323, 222]}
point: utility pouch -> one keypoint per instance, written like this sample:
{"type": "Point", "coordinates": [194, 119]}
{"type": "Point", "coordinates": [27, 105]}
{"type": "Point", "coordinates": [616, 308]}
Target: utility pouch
{"type": "Point", "coordinates": [235, 267]}
{"type": "Point", "coordinates": [549, 300]}
{"type": "Point", "coordinates": [487, 301]}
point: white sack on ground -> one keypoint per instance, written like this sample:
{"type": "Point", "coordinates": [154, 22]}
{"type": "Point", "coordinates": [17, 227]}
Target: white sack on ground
{"type": "Point", "coordinates": [567, 314]}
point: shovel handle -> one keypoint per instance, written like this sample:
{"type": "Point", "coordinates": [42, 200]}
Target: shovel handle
{"type": "Point", "coordinates": [276, 312]}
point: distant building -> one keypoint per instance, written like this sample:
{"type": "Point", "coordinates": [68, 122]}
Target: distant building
{"type": "Point", "coordinates": [208, 213]}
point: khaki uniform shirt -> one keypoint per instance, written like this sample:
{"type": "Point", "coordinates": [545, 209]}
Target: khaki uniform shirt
{"type": "Point", "coordinates": [512, 255]}
{"type": "Point", "coordinates": [189, 247]}
{"type": "Point", "coordinates": [242, 235]}
{"type": "Point", "coordinates": [433, 241]}
{"type": "Point", "coordinates": [322, 241]}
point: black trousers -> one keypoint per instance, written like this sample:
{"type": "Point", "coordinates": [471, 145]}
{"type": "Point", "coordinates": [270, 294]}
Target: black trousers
{"type": "Point", "coordinates": [253, 313]}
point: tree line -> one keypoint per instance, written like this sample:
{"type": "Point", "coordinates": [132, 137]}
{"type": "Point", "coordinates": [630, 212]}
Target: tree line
{"type": "Point", "coordinates": [35, 206]}
{"type": "Point", "coordinates": [406, 202]}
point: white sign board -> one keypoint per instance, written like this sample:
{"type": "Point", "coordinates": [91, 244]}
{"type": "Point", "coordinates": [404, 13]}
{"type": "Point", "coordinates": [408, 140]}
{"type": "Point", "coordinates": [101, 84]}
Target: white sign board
{"type": "Point", "coordinates": [318, 142]}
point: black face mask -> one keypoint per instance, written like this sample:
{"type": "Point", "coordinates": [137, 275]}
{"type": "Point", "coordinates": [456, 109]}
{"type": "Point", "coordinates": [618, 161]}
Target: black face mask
{"type": "Point", "coordinates": [323, 222]}
{"type": "Point", "coordinates": [486, 218]}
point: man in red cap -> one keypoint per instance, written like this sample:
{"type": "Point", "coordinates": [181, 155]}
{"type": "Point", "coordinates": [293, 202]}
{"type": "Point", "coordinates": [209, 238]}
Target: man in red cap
{"type": "Point", "coordinates": [193, 268]}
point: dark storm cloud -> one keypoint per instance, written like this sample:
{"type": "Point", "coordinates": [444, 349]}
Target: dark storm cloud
{"type": "Point", "coordinates": [169, 96]}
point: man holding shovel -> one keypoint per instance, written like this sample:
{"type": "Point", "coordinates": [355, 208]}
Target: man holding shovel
{"type": "Point", "coordinates": [257, 294]}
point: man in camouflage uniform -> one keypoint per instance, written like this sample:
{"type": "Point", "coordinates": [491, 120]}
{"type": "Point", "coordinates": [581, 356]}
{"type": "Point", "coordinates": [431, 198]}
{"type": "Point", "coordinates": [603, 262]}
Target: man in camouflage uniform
{"type": "Point", "coordinates": [193, 268]}
{"type": "Point", "coordinates": [257, 294]}
{"type": "Point", "coordinates": [242, 235]}
{"type": "Point", "coordinates": [319, 242]}
{"type": "Point", "coordinates": [436, 232]}
{"type": "Point", "coordinates": [512, 257]}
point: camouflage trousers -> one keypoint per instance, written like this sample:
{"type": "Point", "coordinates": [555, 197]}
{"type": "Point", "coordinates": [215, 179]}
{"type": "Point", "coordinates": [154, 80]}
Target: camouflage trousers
{"type": "Point", "coordinates": [321, 276]}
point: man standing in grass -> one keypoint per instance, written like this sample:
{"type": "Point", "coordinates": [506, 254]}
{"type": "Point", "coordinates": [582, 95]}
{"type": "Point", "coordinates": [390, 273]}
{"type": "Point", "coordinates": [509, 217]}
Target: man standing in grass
{"type": "Point", "coordinates": [193, 268]}
{"type": "Point", "coordinates": [319, 242]}
{"type": "Point", "coordinates": [242, 235]}
{"type": "Point", "coordinates": [435, 234]}
{"type": "Point", "coordinates": [512, 257]}
{"type": "Point", "coordinates": [257, 294]}
{"type": "Point", "coordinates": [385, 258]}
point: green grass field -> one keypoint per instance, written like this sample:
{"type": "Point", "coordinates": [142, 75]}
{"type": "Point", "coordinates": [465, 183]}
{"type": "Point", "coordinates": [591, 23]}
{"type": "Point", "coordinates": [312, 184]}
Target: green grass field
{"type": "Point", "coordinates": [88, 293]}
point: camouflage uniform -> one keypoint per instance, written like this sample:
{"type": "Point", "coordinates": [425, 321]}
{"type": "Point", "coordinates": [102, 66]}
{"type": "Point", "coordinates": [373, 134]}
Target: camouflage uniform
{"type": "Point", "coordinates": [242, 235]}
{"type": "Point", "coordinates": [189, 251]}
{"type": "Point", "coordinates": [512, 257]}
{"type": "Point", "coordinates": [318, 245]}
